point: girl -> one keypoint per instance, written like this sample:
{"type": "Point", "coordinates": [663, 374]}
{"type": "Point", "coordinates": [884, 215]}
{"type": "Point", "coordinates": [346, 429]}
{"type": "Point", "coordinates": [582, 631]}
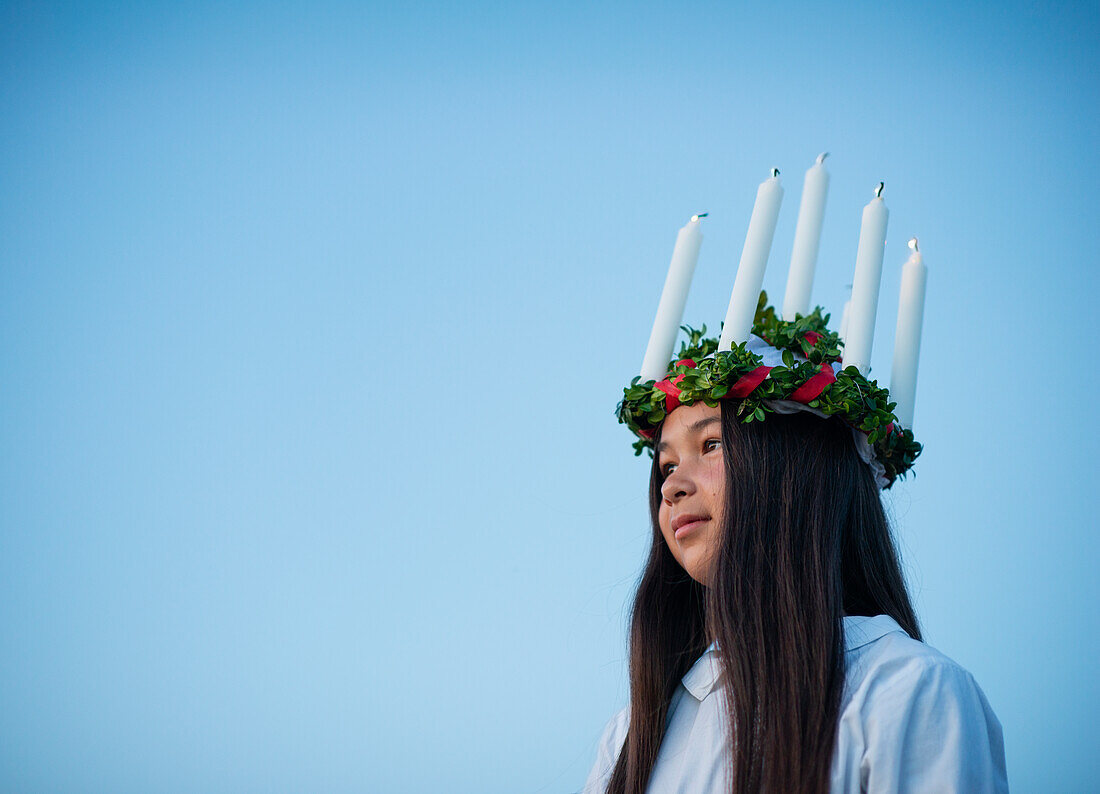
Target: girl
{"type": "Point", "coordinates": [773, 643]}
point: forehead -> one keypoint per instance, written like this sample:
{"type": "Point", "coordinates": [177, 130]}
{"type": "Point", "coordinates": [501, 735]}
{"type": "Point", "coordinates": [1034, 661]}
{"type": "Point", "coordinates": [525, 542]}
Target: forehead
{"type": "Point", "coordinates": [686, 422]}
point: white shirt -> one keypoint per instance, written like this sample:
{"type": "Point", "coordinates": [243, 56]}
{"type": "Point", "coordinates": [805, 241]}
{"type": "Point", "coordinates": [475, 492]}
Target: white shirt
{"type": "Point", "coordinates": [911, 719]}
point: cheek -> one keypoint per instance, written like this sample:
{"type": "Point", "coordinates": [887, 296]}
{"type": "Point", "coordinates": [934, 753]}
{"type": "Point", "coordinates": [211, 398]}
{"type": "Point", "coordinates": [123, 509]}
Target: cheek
{"type": "Point", "coordinates": [716, 482]}
{"type": "Point", "coordinates": [666, 532]}
{"type": "Point", "coordinates": [664, 523]}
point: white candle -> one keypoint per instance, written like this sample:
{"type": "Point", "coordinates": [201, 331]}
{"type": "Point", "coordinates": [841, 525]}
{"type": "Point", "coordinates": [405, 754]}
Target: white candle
{"type": "Point", "coordinates": [844, 315]}
{"type": "Point", "coordinates": [673, 297]}
{"type": "Point", "coordinates": [807, 240]}
{"type": "Point", "coordinates": [865, 284]}
{"type": "Point", "coordinates": [903, 379]}
{"type": "Point", "coordinates": [754, 258]}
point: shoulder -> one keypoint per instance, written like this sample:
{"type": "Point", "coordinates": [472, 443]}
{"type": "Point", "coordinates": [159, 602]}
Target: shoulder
{"type": "Point", "coordinates": [614, 733]}
{"type": "Point", "coordinates": [920, 720]}
{"type": "Point", "coordinates": [607, 752]}
{"type": "Point", "coordinates": [895, 664]}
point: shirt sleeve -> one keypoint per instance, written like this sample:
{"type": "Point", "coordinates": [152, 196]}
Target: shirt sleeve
{"type": "Point", "coordinates": [611, 743]}
{"type": "Point", "coordinates": [932, 729]}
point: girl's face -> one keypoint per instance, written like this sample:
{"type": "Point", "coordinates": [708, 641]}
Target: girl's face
{"type": "Point", "coordinates": [693, 492]}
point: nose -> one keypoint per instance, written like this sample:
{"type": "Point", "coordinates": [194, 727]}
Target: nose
{"type": "Point", "coordinates": [678, 484]}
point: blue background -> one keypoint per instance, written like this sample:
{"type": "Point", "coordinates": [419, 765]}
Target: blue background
{"type": "Point", "coordinates": [313, 318]}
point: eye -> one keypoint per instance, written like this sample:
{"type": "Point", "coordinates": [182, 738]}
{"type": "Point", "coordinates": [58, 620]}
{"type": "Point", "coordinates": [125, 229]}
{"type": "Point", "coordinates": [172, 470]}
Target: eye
{"type": "Point", "coordinates": [667, 469]}
{"type": "Point", "coordinates": [712, 444]}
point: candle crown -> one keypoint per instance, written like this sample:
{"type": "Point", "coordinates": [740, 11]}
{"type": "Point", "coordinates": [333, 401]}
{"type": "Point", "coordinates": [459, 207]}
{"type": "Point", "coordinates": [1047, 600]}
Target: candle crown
{"type": "Point", "coordinates": [784, 366]}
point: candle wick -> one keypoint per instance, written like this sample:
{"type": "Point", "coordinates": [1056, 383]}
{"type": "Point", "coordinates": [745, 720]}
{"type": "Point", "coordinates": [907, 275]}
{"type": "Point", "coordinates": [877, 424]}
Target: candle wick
{"type": "Point", "coordinates": [913, 244]}
{"type": "Point", "coordinates": [775, 172]}
{"type": "Point", "coordinates": [821, 157]}
{"type": "Point", "coordinates": [879, 189]}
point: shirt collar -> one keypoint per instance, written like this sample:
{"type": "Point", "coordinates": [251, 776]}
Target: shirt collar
{"type": "Point", "coordinates": [702, 678]}
{"type": "Point", "coordinates": [860, 630]}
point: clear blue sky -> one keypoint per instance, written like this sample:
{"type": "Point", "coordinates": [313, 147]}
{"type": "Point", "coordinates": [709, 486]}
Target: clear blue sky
{"type": "Point", "coordinates": [313, 318]}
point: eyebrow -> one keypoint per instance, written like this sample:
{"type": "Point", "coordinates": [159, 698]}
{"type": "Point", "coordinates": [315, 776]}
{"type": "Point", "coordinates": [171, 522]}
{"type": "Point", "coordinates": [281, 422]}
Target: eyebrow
{"type": "Point", "coordinates": [693, 428]}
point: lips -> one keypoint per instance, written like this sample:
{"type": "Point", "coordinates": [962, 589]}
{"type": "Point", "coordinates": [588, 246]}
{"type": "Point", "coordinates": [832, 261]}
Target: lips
{"type": "Point", "coordinates": [686, 522]}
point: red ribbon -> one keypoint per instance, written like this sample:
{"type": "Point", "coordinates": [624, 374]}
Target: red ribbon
{"type": "Point", "coordinates": [672, 394]}
{"type": "Point", "coordinates": [747, 383]}
{"type": "Point", "coordinates": [811, 389]}
{"type": "Point", "coordinates": [668, 386]}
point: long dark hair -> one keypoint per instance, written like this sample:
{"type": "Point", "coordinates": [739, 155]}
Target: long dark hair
{"type": "Point", "coordinates": [804, 542]}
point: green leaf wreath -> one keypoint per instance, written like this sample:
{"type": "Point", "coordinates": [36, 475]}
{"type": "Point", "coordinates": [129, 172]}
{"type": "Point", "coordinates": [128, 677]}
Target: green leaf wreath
{"type": "Point", "coordinates": [806, 343]}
